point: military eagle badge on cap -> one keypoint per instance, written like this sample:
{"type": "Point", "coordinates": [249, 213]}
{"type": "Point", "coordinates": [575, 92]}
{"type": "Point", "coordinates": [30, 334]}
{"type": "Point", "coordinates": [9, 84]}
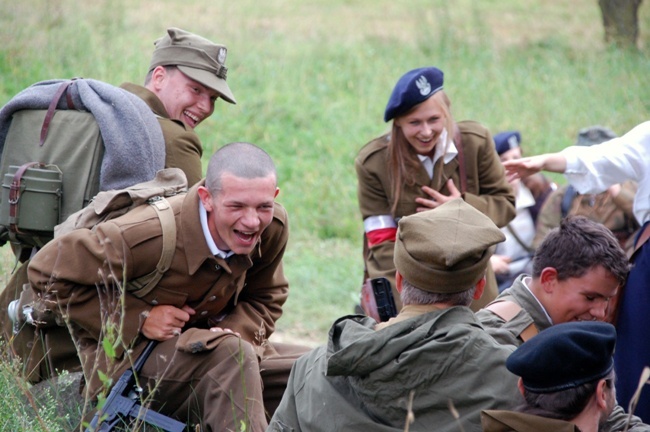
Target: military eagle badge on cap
{"type": "Point", "coordinates": [423, 85]}
{"type": "Point", "coordinates": [221, 57]}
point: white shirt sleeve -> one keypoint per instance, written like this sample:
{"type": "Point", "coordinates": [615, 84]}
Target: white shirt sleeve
{"type": "Point", "coordinates": [594, 169]}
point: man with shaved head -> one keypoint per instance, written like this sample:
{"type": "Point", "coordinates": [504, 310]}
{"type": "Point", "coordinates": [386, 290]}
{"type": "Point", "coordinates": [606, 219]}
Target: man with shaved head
{"type": "Point", "coordinates": [212, 311]}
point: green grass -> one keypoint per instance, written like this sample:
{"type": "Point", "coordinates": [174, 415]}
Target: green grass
{"type": "Point", "coordinates": [312, 79]}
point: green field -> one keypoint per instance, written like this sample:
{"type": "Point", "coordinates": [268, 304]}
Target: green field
{"type": "Point", "coordinates": [312, 79]}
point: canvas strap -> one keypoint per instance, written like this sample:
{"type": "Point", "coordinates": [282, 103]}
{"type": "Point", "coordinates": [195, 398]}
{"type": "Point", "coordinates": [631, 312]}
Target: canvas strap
{"type": "Point", "coordinates": [143, 285]}
{"type": "Point", "coordinates": [461, 159]}
{"type": "Point", "coordinates": [51, 109]}
{"type": "Point", "coordinates": [507, 310]}
{"type": "Point", "coordinates": [14, 193]}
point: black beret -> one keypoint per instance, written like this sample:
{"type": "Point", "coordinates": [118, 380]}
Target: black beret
{"type": "Point", "coordinates": [413, 87]}
{"type": "Point", "coordinates": [507, 140]}
{"type": "Point", "coordinates": [565, 356]}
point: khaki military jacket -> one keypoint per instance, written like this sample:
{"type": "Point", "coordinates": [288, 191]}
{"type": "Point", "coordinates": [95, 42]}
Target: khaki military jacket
{"type": "Point", "coordinates": [83, 272]}
{"type": "Point", "coordinates": [487, 191]}
{"type": "Point", "coordinates": [509, 333]}
{"type": "Point", "coordinates": [615, 213]}
{"type": "Point", "coordinates": [510, 421]}
{"type": "Point", "coordinates": [364, 380]}
{"type": "Point", "coordinates": [182, 145]}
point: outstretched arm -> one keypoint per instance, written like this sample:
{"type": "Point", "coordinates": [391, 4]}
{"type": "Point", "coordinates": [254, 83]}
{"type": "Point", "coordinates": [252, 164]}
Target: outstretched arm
{"type": "Point", "coordinates": [524, 167]}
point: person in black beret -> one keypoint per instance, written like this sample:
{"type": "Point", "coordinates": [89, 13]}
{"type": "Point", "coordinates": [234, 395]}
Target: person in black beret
{"type": "Point", "coordinates": [577, 271]}
{"type": "Point", "coordinates": [567, 380]}
{"type": "Point", "coordinates": [425, 160]}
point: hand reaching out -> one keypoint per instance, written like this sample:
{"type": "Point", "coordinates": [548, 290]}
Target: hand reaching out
{"type": "Point", "coordinates": [527, 166]}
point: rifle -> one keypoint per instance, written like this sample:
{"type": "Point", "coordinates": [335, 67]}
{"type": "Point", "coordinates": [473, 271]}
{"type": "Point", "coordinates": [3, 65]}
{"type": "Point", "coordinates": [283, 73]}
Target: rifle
{"type": "Point", "coordinates": [123, 404]}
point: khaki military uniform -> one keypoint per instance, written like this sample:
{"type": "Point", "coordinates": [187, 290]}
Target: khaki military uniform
{"type": "Point", "coordinates": [487, 191]}
{"type": "Point", "coordinates": [509, 421]}
{"type": "Point", "coordinates": [511, 333]}
{"type": "Point", "coordinates": [615, 213]}
{"type": "Point", "coordinates": [244, 293]}
{"type": "Point", "coordinates": [182, 145]}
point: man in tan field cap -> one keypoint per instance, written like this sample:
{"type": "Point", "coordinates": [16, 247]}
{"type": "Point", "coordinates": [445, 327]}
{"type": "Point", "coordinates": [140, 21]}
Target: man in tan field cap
{"type": "Point", "coordinates": [431, 361]}
{"type": "Point", "coordinates": [186, 75]}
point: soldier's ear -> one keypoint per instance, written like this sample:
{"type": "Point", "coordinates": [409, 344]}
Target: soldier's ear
{"type": "Point", "coordinates": [480, 287]}
{"type": "Point", "coordinates": [520, 386]}
{"type": "Point", "coordinates": [601, 394]}
{"type": "Point", "coordinates": [398, 281]}
{"type": "Point", "coordinates": [548, 279]}
{"type": "Point", "coordinates": [206, 197]}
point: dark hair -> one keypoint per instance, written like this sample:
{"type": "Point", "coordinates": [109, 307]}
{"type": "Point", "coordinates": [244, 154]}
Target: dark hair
{"type": "Point", "coordinates": [413, 295]}
{"type": "Point", "coordinates": [578, 245]}
{"type": "Point", "coordinates": [564, 404]}
{"type": "Point", "coordinates": [403, 161]}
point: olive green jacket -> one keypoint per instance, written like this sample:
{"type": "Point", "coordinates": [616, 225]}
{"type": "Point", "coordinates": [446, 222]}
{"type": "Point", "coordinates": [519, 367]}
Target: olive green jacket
{"type": "Point", "coordinates": [182, 145]}
{"type": "Point", "coordinates": [364, 379]}
{"type": "Point", "coordinates": [487, 191]}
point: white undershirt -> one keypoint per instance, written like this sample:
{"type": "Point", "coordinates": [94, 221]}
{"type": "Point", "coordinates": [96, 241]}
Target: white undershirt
{"type": "Point", "coordinates": [525, 282]}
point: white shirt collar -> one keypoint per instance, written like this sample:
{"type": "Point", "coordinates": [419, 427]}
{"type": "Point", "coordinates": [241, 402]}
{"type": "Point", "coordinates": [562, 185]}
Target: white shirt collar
{"type": "Point", "coordinates": [444, 148]}
{"type": "Point", "coordinates": [525, 282]}
{"type": "Point", "coordinates": [203, 214]}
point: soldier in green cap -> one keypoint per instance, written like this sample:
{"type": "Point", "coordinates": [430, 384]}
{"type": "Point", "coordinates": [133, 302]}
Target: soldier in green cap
{"type": "Point", "coordinates": [187, 74]}
{"type": "Point", "coordinates": [432, 365]}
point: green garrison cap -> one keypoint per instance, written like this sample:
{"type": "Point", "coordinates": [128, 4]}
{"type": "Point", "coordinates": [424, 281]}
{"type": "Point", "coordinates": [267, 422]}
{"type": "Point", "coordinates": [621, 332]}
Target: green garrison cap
{"type": "Point", "coordinates": [447, 249]}
{"type": "Point", "coordinates": [195, 56]}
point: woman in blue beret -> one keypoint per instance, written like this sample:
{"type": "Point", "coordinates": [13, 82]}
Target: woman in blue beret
{"type": "Point", "coordinates": [425, 160]}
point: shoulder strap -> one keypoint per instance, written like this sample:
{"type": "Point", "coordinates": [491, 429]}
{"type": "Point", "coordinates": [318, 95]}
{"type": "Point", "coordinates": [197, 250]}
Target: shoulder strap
{"type": "Point", "coordinates": [518, 239]}
{"type": "Point", "coordinates": [461, 159]}
{"type": "Point", "coordinates": [507, 310]}
{"type": "Point", "coordinates": [143, 285]}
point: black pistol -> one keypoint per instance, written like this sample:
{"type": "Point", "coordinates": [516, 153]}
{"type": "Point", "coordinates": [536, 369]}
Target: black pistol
{"type": "Point", "coordinates": [386, 308]}
{"type": "Point", "coordinates": [123, 404]}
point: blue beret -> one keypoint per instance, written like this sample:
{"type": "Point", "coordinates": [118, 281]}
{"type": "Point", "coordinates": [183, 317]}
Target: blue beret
{"type": "Point", "coordinates": [565, 356]}
{"type": "Point", "coordinates": [413, 87]}
{"type": "Point", "coordinates": [507, 140]}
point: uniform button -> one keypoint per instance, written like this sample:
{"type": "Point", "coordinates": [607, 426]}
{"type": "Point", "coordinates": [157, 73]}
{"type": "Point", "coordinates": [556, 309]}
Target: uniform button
{"type": "Point", "coordinates": [154, 302]}
{"type": "Point", "coordinates": [213, 298]}
{"type": "Point", "coordinates": [217, 267]}
{"type": "Point", "coordinates": [204, 313]}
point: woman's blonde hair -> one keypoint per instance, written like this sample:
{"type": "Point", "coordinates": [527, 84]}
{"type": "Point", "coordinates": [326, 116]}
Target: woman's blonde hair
{"type": "Point", "coordinates": [403, 162]}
